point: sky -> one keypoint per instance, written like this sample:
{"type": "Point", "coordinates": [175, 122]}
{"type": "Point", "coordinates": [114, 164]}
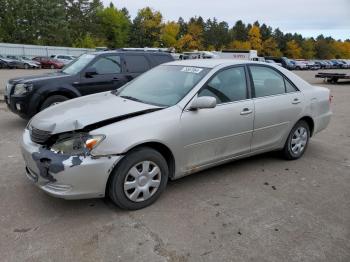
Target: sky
{"type": "Point", "coordinates": [307, 17]}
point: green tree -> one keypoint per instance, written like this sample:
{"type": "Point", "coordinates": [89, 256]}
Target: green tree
{"type": "Point", "coordinates": [81, 18]}
{"type": "Point", "coordinates": [34, 22]}
{"type": "Point", "coordinates": [115, 26]}
{"type": "Point", "coordinates": [265, 31]}
{"type": "Point", "coordinates": [239, 31]}
{"type": "Point", "coordinates": [183, 27]}
{"type": "Point", "coordinates": [169, 33]}
{"type": "Point", "coordinates": [308, 48]}
{"type": "Point", "coordinates": [270, 48]}
{"type": "Point", "coordinates": [215, 34]}
{"type": "Point", "coordinates": [146, 28]}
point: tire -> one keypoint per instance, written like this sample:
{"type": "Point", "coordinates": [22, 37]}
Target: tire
{"type": "Point", "coordinates": [51, 100]}
{"type": "Point", "coordinates": [291, 152]}
{"type": "Point", "coordinates": [26, 66]}
{"type": "Point", "coordinates": [132, 166]}
{"type": "Point", "coordinates": [52, 67]}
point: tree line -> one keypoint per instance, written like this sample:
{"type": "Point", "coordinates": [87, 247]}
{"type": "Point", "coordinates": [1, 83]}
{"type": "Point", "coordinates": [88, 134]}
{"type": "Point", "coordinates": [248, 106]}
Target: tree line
{"type": "Point", "coordinates": [87, 23]}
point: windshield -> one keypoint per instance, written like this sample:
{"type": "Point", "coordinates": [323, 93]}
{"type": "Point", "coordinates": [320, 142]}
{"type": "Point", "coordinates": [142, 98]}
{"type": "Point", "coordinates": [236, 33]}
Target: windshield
{"type": "Point", "coordinates": [164, 85]}
{"type": "Point", "coordinates": [77, 65]}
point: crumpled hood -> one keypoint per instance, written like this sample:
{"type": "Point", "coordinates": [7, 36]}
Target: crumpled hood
{"type": "Point", "coordinates": [78, 113]}
{"type": "Point", "coordinates": [37, 78]}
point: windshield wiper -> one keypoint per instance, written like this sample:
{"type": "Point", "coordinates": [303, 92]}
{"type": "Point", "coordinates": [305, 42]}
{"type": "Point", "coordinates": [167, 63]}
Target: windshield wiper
{"type": "Point", "coordinates": [132, 98]}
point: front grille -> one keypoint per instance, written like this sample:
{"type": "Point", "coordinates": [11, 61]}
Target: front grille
{"type": "Point", "coordinates": [8, 89]}
{"type": "Point", "coordinates": [39, 136]}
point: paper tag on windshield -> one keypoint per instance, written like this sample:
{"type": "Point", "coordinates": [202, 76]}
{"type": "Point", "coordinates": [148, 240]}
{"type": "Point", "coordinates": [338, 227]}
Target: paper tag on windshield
{"type": "Point", "coordinates": [189, 69]}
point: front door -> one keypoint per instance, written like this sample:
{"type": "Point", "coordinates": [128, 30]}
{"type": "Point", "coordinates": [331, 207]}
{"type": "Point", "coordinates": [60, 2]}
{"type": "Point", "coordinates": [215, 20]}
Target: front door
{"type": "Point", "coordinates": [212, 135]}
{"type": "Point", "coordinates": [108, 76]}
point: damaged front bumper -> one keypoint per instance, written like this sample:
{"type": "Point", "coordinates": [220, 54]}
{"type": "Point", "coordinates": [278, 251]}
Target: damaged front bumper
{"type": "Point", "coordinates": [65, 176]}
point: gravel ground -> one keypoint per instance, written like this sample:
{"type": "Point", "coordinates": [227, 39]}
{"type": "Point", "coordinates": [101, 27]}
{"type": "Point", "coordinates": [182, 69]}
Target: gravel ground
{"type": "Point", "coordinates": [259, 209]}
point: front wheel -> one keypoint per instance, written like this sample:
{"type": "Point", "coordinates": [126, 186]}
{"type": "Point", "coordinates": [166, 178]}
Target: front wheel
{"type": "Point", "coordinates": [139, 179]}
{"type": "Point", "coordinates": [297, 141]}
{"type": "Point", "coordinates": [53, 100]}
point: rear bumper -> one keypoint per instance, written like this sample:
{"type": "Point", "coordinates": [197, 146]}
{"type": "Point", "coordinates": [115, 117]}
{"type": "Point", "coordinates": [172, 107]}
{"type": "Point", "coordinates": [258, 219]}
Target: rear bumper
{"type": "Point", "coordinates": [63, 176]}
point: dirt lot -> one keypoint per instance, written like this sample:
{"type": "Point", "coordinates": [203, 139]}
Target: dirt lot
{"type": "Point", "coordinates": [258, 209]}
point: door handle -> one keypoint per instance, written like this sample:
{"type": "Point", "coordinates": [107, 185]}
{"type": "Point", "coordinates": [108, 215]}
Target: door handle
{"type": "Point", "coordinates": [296, 101]}
{"type": "Point", "coordinates": [246, 111]}
{"type": "Point", "coordinates": [116, 78]}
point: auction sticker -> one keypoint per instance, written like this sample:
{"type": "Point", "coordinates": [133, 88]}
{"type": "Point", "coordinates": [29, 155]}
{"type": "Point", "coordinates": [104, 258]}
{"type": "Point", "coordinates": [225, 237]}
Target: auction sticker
{"type": "Point", "coordinates": [190, 69]}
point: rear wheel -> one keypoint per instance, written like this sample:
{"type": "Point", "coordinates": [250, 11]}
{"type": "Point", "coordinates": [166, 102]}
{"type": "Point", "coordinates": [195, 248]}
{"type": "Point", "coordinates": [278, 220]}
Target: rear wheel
{"type": "Point", "coordinates": [26, 66]}
{"type": "Point", "coordinates": [297, 141]}
{"type": "Point", "coordinates": [53, 100]}
{"type": "Point", "coordinates": [139, 179]}
{"type": "Point", "coordinates": [52, 67]}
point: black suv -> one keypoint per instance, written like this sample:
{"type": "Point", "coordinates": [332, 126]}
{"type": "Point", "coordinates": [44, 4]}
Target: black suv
{"type": "Point", "coordinates": [89, 74]}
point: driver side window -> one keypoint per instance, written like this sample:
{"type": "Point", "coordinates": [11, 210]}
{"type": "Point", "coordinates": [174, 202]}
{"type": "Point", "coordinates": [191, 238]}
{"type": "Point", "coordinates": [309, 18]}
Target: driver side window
{"type": "Point", "coordinates": [107, 65]}
{"type": "Point", "coordinates": [227, 86]}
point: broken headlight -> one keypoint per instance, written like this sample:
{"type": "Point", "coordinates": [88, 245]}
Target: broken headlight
{"type": "Point", "coordinates": [79, 144]}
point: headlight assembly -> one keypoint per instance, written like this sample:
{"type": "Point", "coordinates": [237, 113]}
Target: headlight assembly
{"type": "Point", "coordinates": [21, 89]}
{"type": "Point", "coordinates": [79, 144]}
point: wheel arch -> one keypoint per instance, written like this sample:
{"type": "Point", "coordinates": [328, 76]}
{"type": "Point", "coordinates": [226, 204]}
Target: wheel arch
{"type": "Point", "coordinates": [159, 147]}
{"type": "Point", "coordinates": [63, 92]}
{"type": "Point", "coordinates": [310, 123]}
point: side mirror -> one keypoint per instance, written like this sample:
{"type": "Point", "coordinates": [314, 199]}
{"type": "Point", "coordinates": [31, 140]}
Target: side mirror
{"type": "Point", "coordinates": [203, 102]}
{"type": "Point", "coordinates": [90, 72]}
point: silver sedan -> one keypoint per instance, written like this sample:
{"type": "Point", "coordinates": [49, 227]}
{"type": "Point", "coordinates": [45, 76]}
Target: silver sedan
{"type": "Point", "coordinates": [175, 120]}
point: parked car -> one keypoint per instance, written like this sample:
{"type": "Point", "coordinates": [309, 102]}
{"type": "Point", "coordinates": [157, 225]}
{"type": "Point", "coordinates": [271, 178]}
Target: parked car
{"type": "Point", "coordinates": [7, 63]}
{"type": "Point", "coordinates": [46, 62]}
{"type": "Point", "coordinates": [65, 59]}
{"type": "Point", "coordinates": [330, 64]}
{"type": "Point", "coordinates": [273, 62]}
{"type": "Point", "coordinates": [322, 64]}
{"type": "Point", "coordinates": [311, 65]}
{"type": "Point", "coordinates": [175, 120]}
{"type": "Point", "coordinates": [24, 63]}
{"type": "Point", "coordinates": [299, 65]}
{"type": "Point", "coordinates": [91, 73]}
{"type": "Point", "coordinates": [284, 61]}
{"type": "Point", "coordinates": [343, 64]}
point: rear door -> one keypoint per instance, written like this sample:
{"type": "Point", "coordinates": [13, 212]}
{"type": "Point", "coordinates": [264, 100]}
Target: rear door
{"type": "Point", "coordinates": [109, 75]}
{"type": "Point", "coordinates": [158, 59]}
{"type": "Point", "coordinates": [277, 102]}
{"type": "Point", "coordinates": [135, 64]}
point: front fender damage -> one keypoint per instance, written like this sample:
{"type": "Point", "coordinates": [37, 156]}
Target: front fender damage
{"type": "Point", "coordinates": [49, 163]}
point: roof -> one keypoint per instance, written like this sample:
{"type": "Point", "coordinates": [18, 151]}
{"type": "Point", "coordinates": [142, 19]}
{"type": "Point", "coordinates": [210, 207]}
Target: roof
{"type": "Point", "coordinates": [209, 63]}
{"type": "Point", "coordinates": [119, 51]}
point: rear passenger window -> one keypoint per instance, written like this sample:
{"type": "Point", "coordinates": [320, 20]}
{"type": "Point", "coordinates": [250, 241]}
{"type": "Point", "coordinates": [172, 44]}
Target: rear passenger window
{"type": "Point", "coordinates": [136, 63]}
{"type": "Point", "coordinates": [267, 81]}
{"type": "Point", "coordinates": [227, 86]}
{"type": "Point", "coordinates": [160, 59]}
